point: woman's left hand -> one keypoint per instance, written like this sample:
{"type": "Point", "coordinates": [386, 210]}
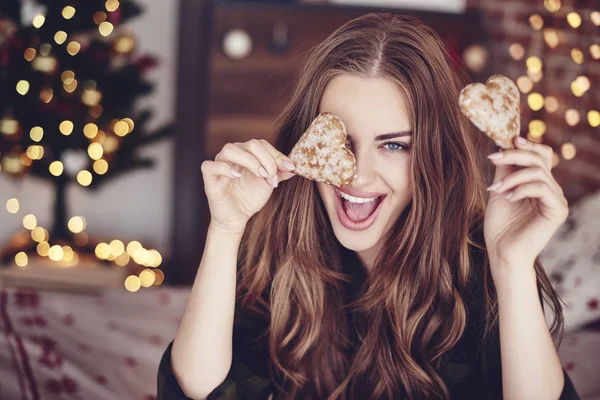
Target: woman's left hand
{"type": "Point", "coordinates": [525, 207]}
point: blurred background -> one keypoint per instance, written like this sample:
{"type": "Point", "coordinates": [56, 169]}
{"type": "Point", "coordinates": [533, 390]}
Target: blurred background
{"type": "Point", "coordinates": [108, 108]}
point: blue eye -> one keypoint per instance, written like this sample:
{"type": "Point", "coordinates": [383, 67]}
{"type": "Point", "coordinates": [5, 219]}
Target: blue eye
{"type": "Point", "coordinates": [394, 147]}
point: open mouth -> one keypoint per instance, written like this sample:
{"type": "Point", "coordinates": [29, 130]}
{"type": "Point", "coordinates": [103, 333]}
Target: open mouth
{"type": "Point", "coordinates": [357, 213]}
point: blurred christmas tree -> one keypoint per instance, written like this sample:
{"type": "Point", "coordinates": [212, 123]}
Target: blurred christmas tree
{"type": "Point", "coordinates": [69, 81]}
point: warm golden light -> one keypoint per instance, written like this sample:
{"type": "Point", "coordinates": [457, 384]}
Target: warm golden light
{"type": "Point", "coordinates": [552, 5]}
{"type": "Point", "coordinates": [594, 118]}
{"type": "Point", "coordinates": [70, 88]}
{"type": "Point", "coordinates": [95, 151]}
{"type": "Point", "coordinates": [551, 104]}
{"type": "Point", "coordinates": [160, 277]}
{"type": "Point", "coordinates": [157, 258]}
{"type": "Point", "coordinates": [99, 17]}
{"type": "Point", "coordinates": [595, 51]}
{"type": "Point", "coordinates": [117, 247]}
{"type": "Point", "coordinates": [535, 76]}
{"type": "Point", "coordinates": [9, 126]}
{"type": "Point", "coordinates": [29, 54]}
{"type": "Point", "coordinates": [67, 77]}
{"type": "Point", "coordinates": [534, 64]}
{"type": "Point", "coordinates": [524, 84]}
{"type": "Point", "coordinates": [35, 152]}
{"type": "Point", "coordinates": [46, 95]}
{"type": "Point", "coordinates": [84, 178]}
{"type": "Point", "coordinates": [516, 51]}
{"type": "Point", "coordinates": [68, 12]}
{"type": "Point", "coordinates": [537, 128]}
{"type": "Point", "coordinates": [36, 133]}
{"type": "Point", "coordinates": [124, 44]}
{"type": "Point", "coordinates": [111, 5]}
{"type": "Point", "coordinates": [583, 82]}
{"type": "Point", "coordinates": [91, 97]}
{"type": "Point", "coordinates": [43, 248]}
{"type": "Point", "coordinates": [38, 21]}
{"type": "Point", "coordinates": [39, 234]}
{"type": "Point", "coordinates": [12, 205]}
{"type": "Point", "coordinates": [129, 122]}
{"type": "Point", "coordinates": [90, 130]}
{"type": "Point", "coordinates": [21, 259]}
{"type": "Point", "coordinates": [133, 246]}
{"type": "Point", "coordinates": [122, 260]}
{"type": "Point", "coordinates": [577, 89]}
{"type": "Point", "coordinates": [22, 87]}
{"type": "Point", "coordinates": [574, 19]}
{"type": "Point", "coordinates": [73, 48]}
{"type": "Point", "coordinates": [56, 253]}
{"type": "Point", "coordinates": [140, 256]}
{"type": "Point", "coordinates": [56, 168]}
{"type": "Point", "coordinates": [121, 128]}
{"type": "Point", "coordinates": [535, 101]}
{"type": "Point", "coordinates": [551, 37]}
{"type": "Point", "coordinates": [595, 17]}
{"type": "Point", "coordinates": [568, 151]}
{"type": "Point", "coordinates": [76, 224]}
{"type": "Point", "coordinates": [577, 56]}
{"type": "Point", "coordinates": [147, 278]}
{"type": "Point", "coordinates": [66, 127]}
{"type": "Point", "coordinates": [102, 251]}
{"type": "Point", "coordinates": [132, 283]}
{"type": "Point", "coordinates": [536, 21]}
{"type": "Point", "coordinates": [110, 144]}
{"type": "Point", "coordinates": [67, 253]}
{"type": "Point", "coordinates": [100, 167]}
{"type": "Point", "coordinates": [60, 37]}
{"type": "Point", "coordinates": [572, 117]}
{"type": "Point", "coordinates": [105, 28]}
{"type": "Point", "coordinates": [29, 222]}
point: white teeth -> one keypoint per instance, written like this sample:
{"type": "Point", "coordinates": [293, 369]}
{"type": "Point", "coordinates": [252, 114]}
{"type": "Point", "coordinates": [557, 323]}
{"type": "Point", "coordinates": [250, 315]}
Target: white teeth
{"type": "Point", "coordinates": [359, 200]}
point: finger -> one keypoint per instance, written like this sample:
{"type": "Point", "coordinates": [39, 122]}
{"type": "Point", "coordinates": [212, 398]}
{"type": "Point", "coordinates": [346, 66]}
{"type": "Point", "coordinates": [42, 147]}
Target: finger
{"type": "Point", "coordinates": [283, 162]}
{"type": "Point", "coordinates": [233, 154]}
{"type": "Point", "coordinates": [502, 171]}
{"type": "Point", "coordinates": [543, 150]}
{"type": "Point", "coordinates": [214, 169]}
{"type": "Point", "coordinates": [521, 158]}
{"type": "Point", "coordinates": [520, 177]}
{"type": "Point", "coordinates": [285, 175]}
{"type": "Point", "coordinates": [258, 150]}
{"type": "Point", "coordinates": [538, 190]}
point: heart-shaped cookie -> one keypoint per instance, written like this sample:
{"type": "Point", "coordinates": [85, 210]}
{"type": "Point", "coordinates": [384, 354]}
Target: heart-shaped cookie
{"type": "Point", "coordinates": [321, 153]}
{"type": "Point", "coordinates": [493, 108]}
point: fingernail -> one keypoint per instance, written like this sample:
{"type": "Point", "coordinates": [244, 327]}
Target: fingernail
{"type": "Point", "coordinates": [508, 195]}
{"type": "Point", "coordinates": [495, 156]}
{"type": "Point", "coordinates": [495, 186]}
{"type": "Point", "coordinates": [235, 173]}
{"type": "Point", "coordinates": [288, 165]}
{"type": "Point", "coordinates": [263, 172]}
{"type": "Point", "coordinates": [275, 183]}
{"type": "Point", "coordinates": [521, 140]}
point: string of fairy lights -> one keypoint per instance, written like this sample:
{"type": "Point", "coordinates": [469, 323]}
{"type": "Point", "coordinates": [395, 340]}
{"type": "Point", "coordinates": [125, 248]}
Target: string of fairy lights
{"type": "Point", "coordinates": [579, 86]}
{"type": "Point", "coordinates": [119, 253]}
{"type": "Point", "coordinates": [103, 141]}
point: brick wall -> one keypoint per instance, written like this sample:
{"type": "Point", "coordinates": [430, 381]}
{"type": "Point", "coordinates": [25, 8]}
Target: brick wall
{"type": "Point", "coordinates": [508, 22]}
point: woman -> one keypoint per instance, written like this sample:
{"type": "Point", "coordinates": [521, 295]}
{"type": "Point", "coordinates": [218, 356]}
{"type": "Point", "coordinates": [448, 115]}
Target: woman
{"type": "Point", "coordinates": [418, 289]}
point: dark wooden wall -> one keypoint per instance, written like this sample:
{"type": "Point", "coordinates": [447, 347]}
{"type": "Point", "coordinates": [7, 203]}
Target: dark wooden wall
{"type": "Point", "coordinates": [223, 100]}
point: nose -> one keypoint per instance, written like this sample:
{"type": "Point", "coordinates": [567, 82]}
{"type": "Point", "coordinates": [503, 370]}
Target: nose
{"type": "Point", "coordinates": [365, 171]}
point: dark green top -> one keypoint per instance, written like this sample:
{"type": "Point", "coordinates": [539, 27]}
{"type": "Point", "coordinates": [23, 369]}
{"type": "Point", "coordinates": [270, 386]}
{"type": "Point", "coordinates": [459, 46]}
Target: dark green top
{"type": "Point", "coordinates": [470, 371]}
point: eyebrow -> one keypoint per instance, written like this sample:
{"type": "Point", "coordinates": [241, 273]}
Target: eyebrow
{"type": "Point", "coordinates": [389, 135]}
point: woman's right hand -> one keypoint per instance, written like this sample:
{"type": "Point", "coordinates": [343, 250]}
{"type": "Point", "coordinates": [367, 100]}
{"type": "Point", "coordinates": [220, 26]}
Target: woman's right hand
{"type": "Point", "coordinates": [240, 181]}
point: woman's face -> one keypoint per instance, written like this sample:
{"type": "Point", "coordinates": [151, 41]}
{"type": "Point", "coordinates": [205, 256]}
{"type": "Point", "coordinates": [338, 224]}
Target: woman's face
{"type": "Point", "coordinates": [375, 113]}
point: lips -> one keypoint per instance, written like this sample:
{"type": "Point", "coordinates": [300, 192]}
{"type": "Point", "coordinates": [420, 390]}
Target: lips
{"type": "Point", "coordinates": [351, 224]}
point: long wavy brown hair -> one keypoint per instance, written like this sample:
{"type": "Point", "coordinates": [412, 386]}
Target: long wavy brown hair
{"type": "Point", "coordinates": [310, 293]}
